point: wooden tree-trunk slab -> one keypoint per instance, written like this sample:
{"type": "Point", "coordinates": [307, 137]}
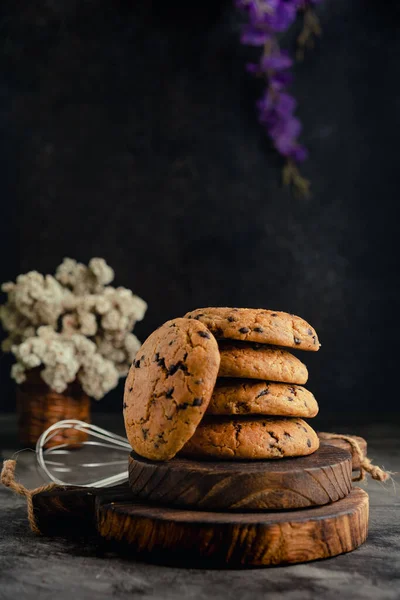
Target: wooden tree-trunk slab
{"type": "Point", "coordinates": [287, 483]}
{"type": "Point", "coordinates": [340, 443]}
{"type": "Point", "coordinates": [174, 536]}
{"type": "Point", "coordinates": [70, 510]}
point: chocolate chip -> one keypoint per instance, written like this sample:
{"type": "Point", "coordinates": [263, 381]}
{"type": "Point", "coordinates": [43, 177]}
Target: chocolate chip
{"type": "Point", "coordinates": [198, 381]}
{"type": "Point", "coordinates": [159, 360]}
{"type": "Point", "coordinates": [174, 368]}
{"type": "Point", "coordinates": [169, 393]}
{"type": "Point", "coordinates": [258, 329]}
{"type": "Point", "coordinates": [124, 406]}
{"type": "Point", "coordinates": [231, 319]}
{"type": "Point", "coordinates": [130, 389]}
{"type": "Point", "coordinates": [204, 334]}
{"type": "Point", "coordinates": [197, 402]}
{"type": "Point", "coordinates": [297, 341]}
{"type": "Point", "coordinates": [309, 331]}
{"type": "Point", "coordinates": [183, 406]}
{"type": "Point", "coordinates": [137, 364]}
{"type": "Point", "coordinates": [171, 342]}
{"type": "Point", "coordinates": [292, 389]}
{"type": "Point", "coordinates": [309, 443]}
{"type": "Point", "coordinates": [286, 434]}
{"type": "Point", "coordinates": [274, 315]}
{"type": "Point", "coordinates": [290, 399]}
{"type": "Point", "coordinates": [263, 393]}
{"type": "Point", "coordinates": [304, 429]}
{"type": "Point", "coordinates": [244, 330]}
{"type": "Point", "coordinates": [145, 433]}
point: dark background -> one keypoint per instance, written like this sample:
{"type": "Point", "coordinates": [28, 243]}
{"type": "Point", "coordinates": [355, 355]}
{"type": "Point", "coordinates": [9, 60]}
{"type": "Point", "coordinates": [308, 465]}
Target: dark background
{"type": "Point", "coordinates": [128, 131]}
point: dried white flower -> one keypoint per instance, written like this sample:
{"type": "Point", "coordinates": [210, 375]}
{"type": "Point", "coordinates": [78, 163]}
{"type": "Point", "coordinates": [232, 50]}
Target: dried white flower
{"type": "Point", "coordinates": [73, 326]}
{"type": "Point", "coordinates": [18, 373]}
{"type": "Point", "coordinates": [101, 270]}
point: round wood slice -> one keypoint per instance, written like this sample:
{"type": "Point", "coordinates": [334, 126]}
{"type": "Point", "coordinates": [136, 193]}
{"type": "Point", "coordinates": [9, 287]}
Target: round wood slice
{"type": "Point", "coordinates": [171, 535]}
{"type": "Point", "coordinates": [339, 443]}
{"type": "Point", "coordinates": [70, 510]}
{"type": "Point", "coordinates": [287, 483]}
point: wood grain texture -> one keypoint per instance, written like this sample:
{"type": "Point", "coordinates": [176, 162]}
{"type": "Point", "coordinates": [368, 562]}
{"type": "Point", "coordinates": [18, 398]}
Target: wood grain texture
{"type": "Point", "coordinates": [288, 483]}
{"type": "Point", "coordinates": [170, 535]}
{"type": "Point", "coordinates": [70, 509]}
{"type": "Point", "coordinates": [338, 443]}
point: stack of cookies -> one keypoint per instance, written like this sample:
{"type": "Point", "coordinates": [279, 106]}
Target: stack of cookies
{"type": "Point", "coordinates": [258, 404]}
{"type": "Point", "coordinates": [220, 384]}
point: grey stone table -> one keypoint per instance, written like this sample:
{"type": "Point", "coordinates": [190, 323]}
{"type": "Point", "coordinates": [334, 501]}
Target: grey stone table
{"type": "Point", "coordinates": [56, 568]}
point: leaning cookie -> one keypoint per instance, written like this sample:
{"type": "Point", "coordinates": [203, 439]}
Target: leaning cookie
{"type": "Point", "coordinates": [250, 439]}
{"type": "Point", "coordinates": [169, 386]}
{"type": "Point", "coordinates": [246, 396]}
{"type": "Point", "coordinates": [257, 361]}
{"type": "Point", "coordinates": [258, 325]}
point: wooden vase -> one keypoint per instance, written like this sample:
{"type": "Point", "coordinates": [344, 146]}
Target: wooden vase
{"type": "Point", "coordinates": [38, 407]}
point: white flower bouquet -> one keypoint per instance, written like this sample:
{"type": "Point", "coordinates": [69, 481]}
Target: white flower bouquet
{"type": "Point", "coordinates": [73, 327]}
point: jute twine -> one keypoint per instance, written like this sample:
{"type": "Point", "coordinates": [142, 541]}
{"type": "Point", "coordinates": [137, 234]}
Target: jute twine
{"type": "Point", "coordinates": [366, 465]}
{"type": "Point", "coordinates": [7, 478]}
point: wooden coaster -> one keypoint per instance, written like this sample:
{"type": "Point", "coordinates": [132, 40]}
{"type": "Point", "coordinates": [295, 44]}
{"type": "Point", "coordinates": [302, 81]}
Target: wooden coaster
{"type": "Point", "coordinates": [287, 483]}
{"type": "Point", "coordinates": [174, 536]}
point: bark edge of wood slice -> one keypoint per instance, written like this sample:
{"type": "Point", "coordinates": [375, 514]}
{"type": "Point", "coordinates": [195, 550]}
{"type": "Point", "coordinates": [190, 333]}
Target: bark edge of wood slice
{"type": "Point", "coordinates": [234, 540]}
{"type": "Point", "coordinates": [288, 483]}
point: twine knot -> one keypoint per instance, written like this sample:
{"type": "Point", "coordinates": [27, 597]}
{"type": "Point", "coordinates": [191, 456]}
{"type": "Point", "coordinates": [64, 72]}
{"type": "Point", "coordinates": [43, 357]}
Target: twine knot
{"type": "Point", "coordinates": [7, 478]}
{"type": "Point", "coordinates": [366, 465]}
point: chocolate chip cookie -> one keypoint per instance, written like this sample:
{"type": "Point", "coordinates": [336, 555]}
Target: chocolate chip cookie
{"type": "Point", "coordinates": [252, 438]}
{"type": "Point", "coordinates": [249, 397]}
{"type": "Point", "coordinates": [169, 386]}
{"type": "Point", "coordinates": [258, 325]}
{"type": "Point", "coordinates": [258, 361]}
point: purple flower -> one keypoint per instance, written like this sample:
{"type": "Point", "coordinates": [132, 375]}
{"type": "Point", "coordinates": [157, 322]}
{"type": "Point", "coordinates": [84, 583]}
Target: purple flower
{"type": "Point", "coordinates": [278, 61]}
{"type": "Point", "coordinates": [283, 16]}
{"type": "Point", "coordinates": [285, 105]}
{"type": "Point", "coordinates": [299, 153]}
{"type": "Point", "coordinates": [280, 80]}
{"type": "Point", "coordinates": [254, 36]}
{"type": "Point", "coordinates": [276, 107]}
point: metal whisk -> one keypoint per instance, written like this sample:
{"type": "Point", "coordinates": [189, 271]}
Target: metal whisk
{"type": "Point", "coordinates": [104, 439]}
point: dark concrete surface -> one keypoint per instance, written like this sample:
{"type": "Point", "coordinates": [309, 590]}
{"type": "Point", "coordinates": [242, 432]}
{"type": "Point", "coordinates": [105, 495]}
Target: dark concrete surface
{"type": "Point", "coordinates": [43, 568]}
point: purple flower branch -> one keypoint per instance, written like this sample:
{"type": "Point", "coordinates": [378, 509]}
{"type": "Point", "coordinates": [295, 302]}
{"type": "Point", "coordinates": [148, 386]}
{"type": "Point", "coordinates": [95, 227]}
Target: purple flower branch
{"type": "Point", "coordinates": [266, 19]}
